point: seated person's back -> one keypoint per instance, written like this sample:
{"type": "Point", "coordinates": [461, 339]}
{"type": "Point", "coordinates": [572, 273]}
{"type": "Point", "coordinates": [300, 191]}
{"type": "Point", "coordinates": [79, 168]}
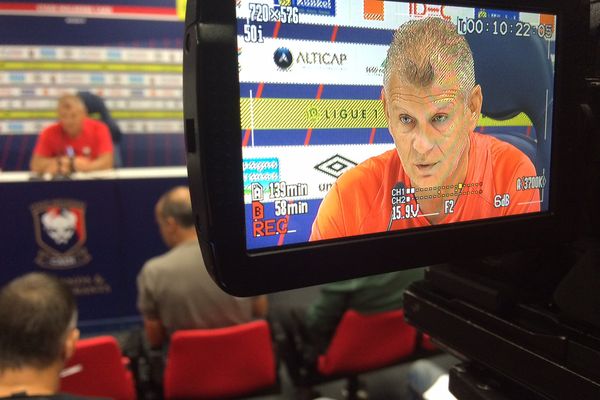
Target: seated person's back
{"type": "Point", "coordinates": [177, 288]}
{"type": "Point", "coordinates": [367, 295]}
{"type": "Point", "coordinates": [175, 291]}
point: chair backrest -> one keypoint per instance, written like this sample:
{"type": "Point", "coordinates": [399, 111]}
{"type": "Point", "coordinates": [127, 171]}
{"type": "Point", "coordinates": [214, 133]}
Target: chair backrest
{"type": "Point", "coordinates": [97, 109]}
{"type": "Point", "coordinates": [516, 76]}
{"type": "Point", "coordinates": [97, 369]}
{"type": "Point", "coordinates": [223, 362]}
{"type": "Point", "coordinates": [367, 342]}
{"type": "Point", "coordinates": [427, 343]}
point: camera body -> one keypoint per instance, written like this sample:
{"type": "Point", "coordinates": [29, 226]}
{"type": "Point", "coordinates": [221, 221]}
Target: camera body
{"type": "Point", "coordinates": [263, 81]}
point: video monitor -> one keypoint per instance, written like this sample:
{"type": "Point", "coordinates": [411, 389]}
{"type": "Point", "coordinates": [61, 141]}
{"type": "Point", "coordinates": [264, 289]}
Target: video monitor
{"type": "Point", "coordinates": [352, 135]}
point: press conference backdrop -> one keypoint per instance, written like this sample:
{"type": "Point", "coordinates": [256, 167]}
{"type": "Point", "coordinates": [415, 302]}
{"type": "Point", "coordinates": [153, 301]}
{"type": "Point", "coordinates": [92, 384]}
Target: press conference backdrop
{"type": "Point", "coordinates": [94, 231]}
{"type": "Point", "coordinates": [128, 52]}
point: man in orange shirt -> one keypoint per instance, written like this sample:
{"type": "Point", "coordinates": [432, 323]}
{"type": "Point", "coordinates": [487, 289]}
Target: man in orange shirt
{"type": "Point", "coordinates": [441, 171]}
{"type": "Point", "coordinates": [75, 143]}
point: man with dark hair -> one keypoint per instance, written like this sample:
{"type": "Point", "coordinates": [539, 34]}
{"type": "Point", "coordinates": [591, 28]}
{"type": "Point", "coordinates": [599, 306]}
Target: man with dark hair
{"type": "Point", "coordinates": [175, 291]}
{"type": "Point", "coordinates": [38, 333]}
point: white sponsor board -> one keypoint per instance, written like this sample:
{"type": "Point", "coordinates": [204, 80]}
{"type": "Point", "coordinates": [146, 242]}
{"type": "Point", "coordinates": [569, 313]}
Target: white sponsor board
{"type": "Point", "coordinates": [90, 54]}
{"type": "Point", "coordinates": [311, 62]}
{"type": "Point", "coordinates": [100, 79]}
{"type": "Point", "coordinates": [7, 93]}
{"type": "Point", "coordinates": [49, 104]}
{"type": "Point", "coordinates": [296, 165]}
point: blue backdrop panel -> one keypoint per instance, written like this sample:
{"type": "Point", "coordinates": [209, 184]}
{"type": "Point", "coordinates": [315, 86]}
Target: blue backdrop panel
{"type": "Point", "coordinates": [139, 150]}
{"type": "Point", "coordinates": [121, 234]}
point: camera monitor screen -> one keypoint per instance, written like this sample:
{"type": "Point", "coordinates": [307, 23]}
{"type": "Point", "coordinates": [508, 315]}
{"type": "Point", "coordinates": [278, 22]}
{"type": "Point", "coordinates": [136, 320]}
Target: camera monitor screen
{"type": "Point", "coordinates": [366, 117]}
{"type": "Point", "coordinates": [332, 139]}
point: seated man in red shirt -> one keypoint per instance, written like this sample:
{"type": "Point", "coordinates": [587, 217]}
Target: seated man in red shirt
{"type": "Point", "coordinates": [75, 143]}
{"type": "Point", "coordinates": [440, 171]}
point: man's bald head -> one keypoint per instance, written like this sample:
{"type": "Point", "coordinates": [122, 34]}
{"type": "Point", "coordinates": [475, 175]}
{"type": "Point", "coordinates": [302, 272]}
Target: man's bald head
{"type": "Point", "coordinates": [71, 113]}
{"type": "Point", "coordinates": [177, 204]}
{"type": "Point", "coordinates": [71, 101]}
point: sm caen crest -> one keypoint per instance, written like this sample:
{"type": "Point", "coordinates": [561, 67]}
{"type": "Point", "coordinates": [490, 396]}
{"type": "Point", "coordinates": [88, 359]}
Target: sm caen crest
{"type": "Point", "coordinates": [60, 232]}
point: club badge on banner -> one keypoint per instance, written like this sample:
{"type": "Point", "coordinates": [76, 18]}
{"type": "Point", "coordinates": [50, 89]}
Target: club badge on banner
{"type": "Point", "coordinates": [60, 232]}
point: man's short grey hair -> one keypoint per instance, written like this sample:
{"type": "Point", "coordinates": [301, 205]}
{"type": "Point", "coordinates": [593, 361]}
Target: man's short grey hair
{"type": "Point", "coordinates": [69, 100]}
{"type": "Point", "coordinates": [177, 206]}
{"type": "Point", "coordinates": [426, 50]}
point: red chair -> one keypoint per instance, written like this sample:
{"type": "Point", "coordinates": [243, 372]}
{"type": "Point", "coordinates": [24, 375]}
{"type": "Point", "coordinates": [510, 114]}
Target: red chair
{"type": "Point", "coordinates": [98, 368]}
{"type": "Point", "coordinates": [427, 344]}
{"type": "Point", "coordinates": [367, 342]}
{"type": "Point", "coordinates": [360, 343]}
{"type": "Point", "coordinates": [220, 363]}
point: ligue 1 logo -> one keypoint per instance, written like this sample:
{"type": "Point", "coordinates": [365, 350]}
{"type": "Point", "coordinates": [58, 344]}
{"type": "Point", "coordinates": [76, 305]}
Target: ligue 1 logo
{"type": "Point", "coordinates": [283, 58]}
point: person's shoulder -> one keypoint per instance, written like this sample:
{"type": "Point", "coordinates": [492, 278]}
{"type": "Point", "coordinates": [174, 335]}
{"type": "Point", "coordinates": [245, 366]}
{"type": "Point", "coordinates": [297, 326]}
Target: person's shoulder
{"type": "Point", "coordinates": [156, 263]}
{"type": "Point", "coordinates": [165, 261]}
{"type": "Point", "coordinates": [502, 154]}
{"type": "Point", "coordinates": [95, 125]}
{"type": "Point", "coordinates": [51, 130]}
{"type": "Point", "coordinates": [499, 149]}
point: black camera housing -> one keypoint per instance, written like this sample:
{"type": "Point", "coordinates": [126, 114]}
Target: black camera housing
{"type": "Point", "coordinates": [214, 161]}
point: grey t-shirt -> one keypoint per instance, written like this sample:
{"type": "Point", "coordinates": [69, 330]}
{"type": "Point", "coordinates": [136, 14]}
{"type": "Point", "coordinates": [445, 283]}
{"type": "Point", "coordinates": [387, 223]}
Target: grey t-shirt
{"type": "Point", "coordinates": [176, 288]}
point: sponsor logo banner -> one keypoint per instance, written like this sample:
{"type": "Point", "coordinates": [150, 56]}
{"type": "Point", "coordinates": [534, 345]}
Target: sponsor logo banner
{"type": "Point", "coordinates": [300, 61]}
{"type": "Point", "coordinates": [307, 171]}
{"type": "Point", "coordinates": [266, 113]}
{"type": "Point", "coordinates": [260, 170]}
{"type": "Point", "coordinates": [310, 113]}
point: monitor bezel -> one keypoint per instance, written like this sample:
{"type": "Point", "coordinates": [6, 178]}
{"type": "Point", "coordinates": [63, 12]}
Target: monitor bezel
{"type": "Point", "coordinates": [214, 159]}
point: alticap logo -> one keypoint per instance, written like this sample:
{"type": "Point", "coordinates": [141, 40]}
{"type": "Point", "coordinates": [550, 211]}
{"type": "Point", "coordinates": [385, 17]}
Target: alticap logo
{"type": "Point", "coordinates": [283, 58]}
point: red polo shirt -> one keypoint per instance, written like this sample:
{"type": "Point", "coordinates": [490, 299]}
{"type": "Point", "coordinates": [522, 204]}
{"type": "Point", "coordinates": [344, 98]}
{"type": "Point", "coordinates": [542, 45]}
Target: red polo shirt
{"type": "Point", "coordinates": [93, 141]}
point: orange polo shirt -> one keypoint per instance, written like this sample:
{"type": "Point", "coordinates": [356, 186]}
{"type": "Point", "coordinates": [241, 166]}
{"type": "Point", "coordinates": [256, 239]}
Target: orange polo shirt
{"type": "Point", "coordinates": [360, 202]}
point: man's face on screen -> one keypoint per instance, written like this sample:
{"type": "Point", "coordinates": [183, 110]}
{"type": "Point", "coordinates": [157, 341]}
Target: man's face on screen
{"type": "Point", "coordinates": [430, 127]}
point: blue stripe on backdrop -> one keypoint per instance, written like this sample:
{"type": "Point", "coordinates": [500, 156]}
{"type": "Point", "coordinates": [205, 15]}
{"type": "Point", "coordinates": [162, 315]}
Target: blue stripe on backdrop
{"type": "Point", "coordinates": [16, 151]}
{"type": "Point", "coordinates": [288, 137]}
{"type": "Point", "coordinates": [296, 137]}
{"type": "Point", "coordinates": [92, 32]}
{"type": "Point", "coordinates": [351, 92]}
{"type": "Point", "coordinates": [137, 150]}
{"type": "Point", "coordinates": [290, 91]}
{"type": "Point", "coordinates": [305, 32]}
{"type": "Point", "coordinates": [323, 33]}
{"type": "Point", "coordinates": [344, 136]}
{"type": "Point", "coordinates": [140, 150]}
{"type": "Point", "coordinates": [274, 90]}
{"type": "Point", "coordinates": [361, 35]}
